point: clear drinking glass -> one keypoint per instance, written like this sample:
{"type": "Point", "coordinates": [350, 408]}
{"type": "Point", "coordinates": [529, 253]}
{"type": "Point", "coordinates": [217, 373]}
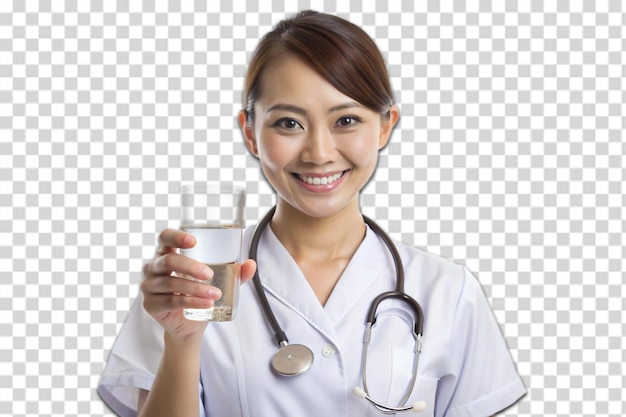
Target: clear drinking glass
{"type": "Point", "coordinates": [214, 215]}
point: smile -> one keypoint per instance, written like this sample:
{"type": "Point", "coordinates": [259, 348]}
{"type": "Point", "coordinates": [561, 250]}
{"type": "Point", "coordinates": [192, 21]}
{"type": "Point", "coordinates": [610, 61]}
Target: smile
{"type": "Point", "coordinates": [320, 180]}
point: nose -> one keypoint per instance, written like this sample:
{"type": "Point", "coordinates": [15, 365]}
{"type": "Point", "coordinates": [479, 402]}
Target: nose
{"type": "Point", "coordinates": [320, 147]}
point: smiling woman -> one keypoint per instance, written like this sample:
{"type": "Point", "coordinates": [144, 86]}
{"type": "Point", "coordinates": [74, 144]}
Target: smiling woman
{"type": "Point", "coordinates": [318, 108]}
{"type": "Point", "coordinates": [316, 145]}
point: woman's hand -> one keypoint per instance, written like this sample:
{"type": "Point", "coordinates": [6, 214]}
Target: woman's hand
{"type": "Point", "coordinates": [165, 295]}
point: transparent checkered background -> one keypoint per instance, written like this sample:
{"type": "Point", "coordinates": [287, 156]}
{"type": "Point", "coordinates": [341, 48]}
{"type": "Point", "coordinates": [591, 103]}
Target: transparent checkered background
{"type": "Point", "coordinates": [509, 158]}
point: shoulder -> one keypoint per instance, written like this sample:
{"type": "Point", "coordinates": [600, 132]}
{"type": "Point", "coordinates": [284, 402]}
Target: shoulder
{"type": "Point", "coordinates": [435, 280]}
{"type": "Point", "coordinates": [433, 269]}
{"type": "Point", "coordinates": [415, 257]}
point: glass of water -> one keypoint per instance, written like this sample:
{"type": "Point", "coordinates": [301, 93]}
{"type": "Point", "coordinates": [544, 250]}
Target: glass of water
{"type": "Point", "coordinates": [214, 215]}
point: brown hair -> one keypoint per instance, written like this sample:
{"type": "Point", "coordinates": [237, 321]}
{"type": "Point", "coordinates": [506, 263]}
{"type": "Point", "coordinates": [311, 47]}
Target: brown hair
{"type": "Point", "coordinates": [341, 52]}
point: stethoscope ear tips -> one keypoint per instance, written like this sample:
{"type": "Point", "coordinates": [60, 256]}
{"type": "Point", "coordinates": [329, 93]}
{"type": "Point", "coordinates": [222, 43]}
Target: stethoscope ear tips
{"type": "Point", "coordinates": [419, 406]}
{"type": "Point", "coordinates": [359, 392]}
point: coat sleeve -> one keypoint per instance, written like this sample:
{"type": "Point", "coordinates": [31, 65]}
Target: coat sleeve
{"type": "Point", "coordinates": [133, 361]}
{"type": "Point", "coordinates": [483, 379]}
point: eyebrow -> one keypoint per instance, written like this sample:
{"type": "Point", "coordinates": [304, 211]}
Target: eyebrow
{"type": "Point", "coordinates": [300, 110]}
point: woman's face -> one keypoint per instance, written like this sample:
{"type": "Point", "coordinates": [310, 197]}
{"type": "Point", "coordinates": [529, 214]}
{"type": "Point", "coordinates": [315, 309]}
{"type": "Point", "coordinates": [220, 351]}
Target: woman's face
{"type": "Point", "coordinates": [317, 147]}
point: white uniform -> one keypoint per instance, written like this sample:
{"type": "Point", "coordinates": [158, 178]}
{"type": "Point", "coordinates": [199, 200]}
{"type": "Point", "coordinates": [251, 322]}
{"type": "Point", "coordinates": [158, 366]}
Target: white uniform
{"type": "Point", "coordinates": [465, 368]}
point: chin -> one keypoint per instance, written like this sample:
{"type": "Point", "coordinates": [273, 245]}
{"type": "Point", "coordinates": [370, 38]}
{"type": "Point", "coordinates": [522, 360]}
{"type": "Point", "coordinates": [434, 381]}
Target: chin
{"type": "Point", "coordinates": [319, 209]}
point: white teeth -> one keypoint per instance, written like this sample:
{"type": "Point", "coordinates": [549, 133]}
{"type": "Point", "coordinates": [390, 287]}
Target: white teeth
{"type": "Point", "coordinates": [320, 180]}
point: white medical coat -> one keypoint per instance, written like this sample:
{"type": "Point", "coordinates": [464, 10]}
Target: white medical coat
{"type": "Point", "coordinates": [465, 368]}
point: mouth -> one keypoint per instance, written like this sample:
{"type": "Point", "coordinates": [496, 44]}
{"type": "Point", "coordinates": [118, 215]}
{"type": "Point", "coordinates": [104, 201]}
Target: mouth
{"type": "Point", "coordinates": [320, 180]}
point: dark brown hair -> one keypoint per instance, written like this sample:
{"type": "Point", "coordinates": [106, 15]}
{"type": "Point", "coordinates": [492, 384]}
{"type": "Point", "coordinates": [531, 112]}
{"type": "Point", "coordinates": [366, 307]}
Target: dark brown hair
{"type": "Point", "coordinates": [341, 52]}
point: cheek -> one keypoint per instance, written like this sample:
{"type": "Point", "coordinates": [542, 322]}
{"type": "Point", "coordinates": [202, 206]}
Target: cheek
{"type": "Point", "coordinates": [362, 151]}
{"type": "Point", "coordinates": [273, 153]}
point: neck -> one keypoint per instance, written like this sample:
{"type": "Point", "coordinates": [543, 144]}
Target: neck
{"type": "Point", "coordinates": [313, 238]}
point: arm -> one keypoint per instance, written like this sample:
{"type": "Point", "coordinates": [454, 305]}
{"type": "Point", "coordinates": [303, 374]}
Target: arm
{"type": "Point", "coordinates": [175, 389]}
{"type": "Point", "coordinates": [143, 395]}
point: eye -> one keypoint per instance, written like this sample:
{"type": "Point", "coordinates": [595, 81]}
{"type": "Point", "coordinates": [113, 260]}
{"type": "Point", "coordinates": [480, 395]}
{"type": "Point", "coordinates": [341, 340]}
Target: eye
{"type": "Point", "coordinates": [347, 121]}
{"type": "Point", "coordinates": [287, 123]}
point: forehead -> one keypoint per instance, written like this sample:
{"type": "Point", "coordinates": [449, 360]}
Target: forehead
{"type": "Point", "coordinates": [291, 79]}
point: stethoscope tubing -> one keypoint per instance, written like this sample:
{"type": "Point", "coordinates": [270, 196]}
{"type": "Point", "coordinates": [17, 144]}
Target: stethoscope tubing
{"type": "Point", "coordinates": [279, 334]}
{"type": "Point", "coordinates": [399, 292]}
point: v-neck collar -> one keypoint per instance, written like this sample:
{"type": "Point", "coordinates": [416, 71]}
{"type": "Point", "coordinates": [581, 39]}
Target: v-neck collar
{"type": "Point", "coordinates": [281, 277]}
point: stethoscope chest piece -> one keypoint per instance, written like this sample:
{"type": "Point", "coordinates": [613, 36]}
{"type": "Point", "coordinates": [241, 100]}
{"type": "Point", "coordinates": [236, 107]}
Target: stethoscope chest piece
{"type": "Point", "coordinates": [292, 360]}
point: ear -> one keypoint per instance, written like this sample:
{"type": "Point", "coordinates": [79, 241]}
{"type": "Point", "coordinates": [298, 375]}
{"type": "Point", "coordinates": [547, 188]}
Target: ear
{"type": "Point", "coordinates": [248, 134]}
{"type": "Point", "coordinates": [386, 126]}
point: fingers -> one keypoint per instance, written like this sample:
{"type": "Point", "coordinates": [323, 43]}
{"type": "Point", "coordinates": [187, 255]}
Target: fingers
{"type": "Point", "coordinates": [247, 270]}
{"type": "Point", "coordinates": [171, 279]}
{"type": "Point", "coordinates": [156, 306]}
{"type": "Point", "coordinates": [170, 293]}
{"type": "Point", "coordinates": [171, 239]}
{"type": "Point", "coordinates": [166, 261]}
{"type": "Point", "coordinates": [173, 262]}
{"type": "Point", "coordinates": [179, 285]}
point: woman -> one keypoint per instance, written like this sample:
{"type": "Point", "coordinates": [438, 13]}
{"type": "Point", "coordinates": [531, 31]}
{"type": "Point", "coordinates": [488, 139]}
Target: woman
{"type": "Point", "coordinates": [318, 107]}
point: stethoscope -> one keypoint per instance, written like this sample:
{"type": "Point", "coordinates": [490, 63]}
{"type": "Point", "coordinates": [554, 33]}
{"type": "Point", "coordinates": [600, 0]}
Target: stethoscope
{"type": "Point", "coordinates": [295, 359]}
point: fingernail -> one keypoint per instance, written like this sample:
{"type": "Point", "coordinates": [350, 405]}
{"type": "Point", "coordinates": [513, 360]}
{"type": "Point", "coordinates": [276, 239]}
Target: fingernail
{"type": "Point", "coordinates": [189, 241]}
{"type": "Point", "coordinates": [207, 273]}
{"type": "Point", "coordinates": [214, 293]}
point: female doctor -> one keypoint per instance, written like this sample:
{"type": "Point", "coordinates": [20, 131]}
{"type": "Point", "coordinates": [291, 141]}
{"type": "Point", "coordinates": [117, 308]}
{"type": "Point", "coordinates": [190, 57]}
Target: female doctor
{"type": "Point", "coordinates": [318, 107]}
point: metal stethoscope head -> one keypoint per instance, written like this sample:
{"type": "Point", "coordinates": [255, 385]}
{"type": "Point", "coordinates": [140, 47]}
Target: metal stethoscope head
{"type": "Point", "coordinates": [292, 360]}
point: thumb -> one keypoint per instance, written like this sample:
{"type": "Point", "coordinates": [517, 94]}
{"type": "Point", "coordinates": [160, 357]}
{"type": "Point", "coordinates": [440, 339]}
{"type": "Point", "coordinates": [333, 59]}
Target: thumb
{"type": "Point", "coordinates": [247, 270]}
